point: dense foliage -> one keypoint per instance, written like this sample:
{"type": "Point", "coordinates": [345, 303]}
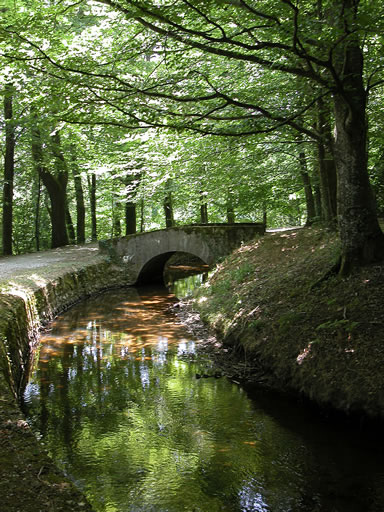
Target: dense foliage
{"type": "Point", "coordinates": [130, 115]}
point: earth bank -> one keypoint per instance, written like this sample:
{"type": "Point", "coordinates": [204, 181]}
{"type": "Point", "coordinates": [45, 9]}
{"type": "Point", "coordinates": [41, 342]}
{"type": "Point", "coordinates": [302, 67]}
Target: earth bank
{"type": "Point", "coordinates": [300, 329]}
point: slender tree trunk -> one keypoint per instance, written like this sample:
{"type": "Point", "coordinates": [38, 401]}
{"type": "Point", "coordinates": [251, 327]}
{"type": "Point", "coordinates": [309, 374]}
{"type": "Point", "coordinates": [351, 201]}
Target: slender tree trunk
{"type": "Point", "coordinates": [58, 200]}
{"type": "Point", "coordinates": [9, 169]}
{"type": "Point", "coordinates": [317, 200]}
{"type": "Point", "coordinates": [362, 240]}
{"type": "Point", "coordinates": [230, 214]}
{"type": "Point", "coordinates": [130, 218]}
{"type": "Point", "coordinates": [168, 211]}
{"type": "Point", "coordinates": [59, 193]}
{"type": "Point", "coordinates": [79, 196]}
{"type": "Point", "coordinates": [92, 200]}
{"type": "Point", "coordinates": [142, 216]}
{"type": "Point", "coordinates": [131, 183]}
{"type": "Point", "coordinates": [309, 201]}
{"type": "Point", "coordinates": [230, 209]}
{"type": "Point", "coordinates": [327, 168]}
{"type": "Point", "coordinates": [116, 225]}
{"type": "Point", "coordinates": [327, 175]}
{"type": "Point", "coordinates": [37, 214]}
{"type": "Point", "coordinates": [70, 227]}
{"type": "Point", "coordinates": [265, 217]}
{"type": "Point", "coordinates": [203, 208]}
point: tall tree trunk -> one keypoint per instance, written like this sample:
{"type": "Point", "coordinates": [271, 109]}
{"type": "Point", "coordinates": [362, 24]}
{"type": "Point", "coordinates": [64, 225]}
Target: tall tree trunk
{"type": "Point", "coordinates": [130, 218]}
{"type": "Point", "coordinates": [265, 218]}
{"type": "Point", "coordinates": [203, 208]}
{"type": "Point", "coordinates": [131, 183]}
{"type": "Point", "coordinates": [56, 186]}
{"type": "Point", "coordinates": [79, 196]}
{"type": "Point", "coordinates": [309, 201]}
{"type": "Point", "coordinates": [116, 225]}
{"type": "Point", "coordinates": [92, 200]}
{"type": "Point", "coordinates": [142, 216]}
{"type": "Point", "coordinates": [37, 213]}
{"type": "Point", "coordinates": [70, 227]}
{"type": "Point", "coordinates": [61, 178]}
{"type": "Point", "coordinates": [58, 200]}
{"type": "Point", "coordinates": [168, 211]}
{"type": "Point", "coordinates": [362, 240]}
{"type": "Point", "coordinates": [317, 200]}
{"type": "Point", "coordinates": [9, 169]}
{"type": "Point", "coordinates": [230, 208]}
{"type": "Point", "coordinates": [327, 168]}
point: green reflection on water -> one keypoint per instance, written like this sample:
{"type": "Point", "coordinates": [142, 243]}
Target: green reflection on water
{"type": "Point", "coordinates": [185, 287]}
{"type": "Point", "coordinates": [125, 416]}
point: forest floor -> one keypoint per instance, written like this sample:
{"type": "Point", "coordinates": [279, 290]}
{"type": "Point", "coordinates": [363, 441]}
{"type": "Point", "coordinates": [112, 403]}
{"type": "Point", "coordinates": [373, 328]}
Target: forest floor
{"type": "Point", "coordinates": [283, 325]}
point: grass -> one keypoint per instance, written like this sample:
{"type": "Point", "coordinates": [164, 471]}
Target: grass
{"type": "Point", "coordinates": [326, 342]}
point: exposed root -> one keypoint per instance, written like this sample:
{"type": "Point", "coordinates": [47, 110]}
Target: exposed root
{"type": "Point", "coordinates": [335, 269]}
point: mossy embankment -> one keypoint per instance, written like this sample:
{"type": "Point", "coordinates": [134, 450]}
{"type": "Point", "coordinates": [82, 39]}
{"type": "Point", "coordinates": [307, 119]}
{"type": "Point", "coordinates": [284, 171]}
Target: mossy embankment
{"type": "Point", "coordinates": [323, 339]}
{"type": "Point", "coordinates": [33, 289]}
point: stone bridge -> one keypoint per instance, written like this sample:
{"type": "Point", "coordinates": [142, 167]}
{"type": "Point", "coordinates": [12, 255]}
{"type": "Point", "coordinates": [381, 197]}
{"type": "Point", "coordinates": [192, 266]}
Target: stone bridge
{"type": "Point", "coordinates": [145, 254]}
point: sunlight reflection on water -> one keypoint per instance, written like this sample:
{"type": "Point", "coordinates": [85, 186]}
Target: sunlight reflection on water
{"type": "Point", "coordinates": [121, 411]}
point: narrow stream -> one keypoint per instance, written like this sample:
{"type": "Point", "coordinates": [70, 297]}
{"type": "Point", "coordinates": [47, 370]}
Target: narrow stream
{"type": "Point", "coordinates": [118, 405]}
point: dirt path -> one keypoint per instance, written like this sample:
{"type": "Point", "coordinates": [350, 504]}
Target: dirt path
{"type": "Point", "coordinates": [56, 259]}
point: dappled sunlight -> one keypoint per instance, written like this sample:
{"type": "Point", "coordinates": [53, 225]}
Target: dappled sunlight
{"type": "Point", "coordinates": [289, 235]}
{"type": "Point", "coordinates": [127, 329]}
{"type": "Point", "coordinates": [284, 249]}
{"type": "Point", "coordinates": [14, 288]}
{"type": "Point", "coordinates": [306, 352]}
{"type": "Point", "coordinates": [249, 247]}
{"type": "Point", "coordinates": [38, 280]}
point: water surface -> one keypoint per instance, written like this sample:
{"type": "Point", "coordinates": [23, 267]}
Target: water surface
{"type": "Point", "coordinates": [116, 401]}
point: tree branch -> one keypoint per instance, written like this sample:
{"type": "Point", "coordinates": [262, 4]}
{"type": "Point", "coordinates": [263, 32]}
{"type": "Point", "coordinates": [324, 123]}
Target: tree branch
{"type": "Point", "coordinates": [205, 46]}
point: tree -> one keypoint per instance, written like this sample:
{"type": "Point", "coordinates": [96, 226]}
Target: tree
{"type": "Point", "coordinates": [231, 68]}
{"type": "Point", "coordinates": [55, 183]}
{"type": "Point", "coordinates": [80, 205]}
{"type": "Point", "coordinates": [9, 167]}
{"type": "Point", "coordinates": [310, 203]}
{"type": "Point", "coordinates": [284, 39]}
{"type": "Point", "coordinates": [92, 201]}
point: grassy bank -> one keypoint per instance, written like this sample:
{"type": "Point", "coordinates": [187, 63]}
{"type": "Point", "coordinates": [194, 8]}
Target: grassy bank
{"type": "Point", "coordinates": [321, 338]}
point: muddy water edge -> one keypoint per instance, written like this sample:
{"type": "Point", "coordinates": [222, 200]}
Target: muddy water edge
{"type": "Point", "coordinates": [139, 418]}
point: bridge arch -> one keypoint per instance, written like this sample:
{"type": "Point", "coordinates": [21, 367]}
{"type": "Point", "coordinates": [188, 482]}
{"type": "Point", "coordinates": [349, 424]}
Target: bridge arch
{"type": "Point", "coordinates": [144, 255]}
{"type": "Point", "coordinates": [153, 269]}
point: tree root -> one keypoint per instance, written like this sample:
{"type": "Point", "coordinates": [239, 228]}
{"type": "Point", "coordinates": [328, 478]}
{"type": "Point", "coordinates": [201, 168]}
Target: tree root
{"type": "Point", "coordinates": [335, 269]}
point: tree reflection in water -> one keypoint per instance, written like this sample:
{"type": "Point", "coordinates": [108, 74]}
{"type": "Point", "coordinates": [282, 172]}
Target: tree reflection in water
{"type": "Point", "coordinates": [122, 413]}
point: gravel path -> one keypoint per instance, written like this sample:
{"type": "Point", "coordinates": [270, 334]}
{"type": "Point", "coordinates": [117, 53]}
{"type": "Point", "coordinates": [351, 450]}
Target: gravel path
{"type": "Point", "coordinates": [74, 255]}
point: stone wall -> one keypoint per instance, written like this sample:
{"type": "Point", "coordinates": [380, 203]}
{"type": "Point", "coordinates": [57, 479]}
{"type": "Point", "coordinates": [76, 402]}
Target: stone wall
{"type": "Point", "coordinates": [26, 308]}
{"type": "Point", "coordinates": [28, 302]}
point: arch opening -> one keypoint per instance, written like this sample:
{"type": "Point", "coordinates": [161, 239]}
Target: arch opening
{"type": "Point", "coordinates": [160, 267]}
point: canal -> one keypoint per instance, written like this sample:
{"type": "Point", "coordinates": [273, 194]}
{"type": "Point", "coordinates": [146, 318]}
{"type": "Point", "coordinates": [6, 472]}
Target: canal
{"type": "Point", "coordinates": [116, 399]}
